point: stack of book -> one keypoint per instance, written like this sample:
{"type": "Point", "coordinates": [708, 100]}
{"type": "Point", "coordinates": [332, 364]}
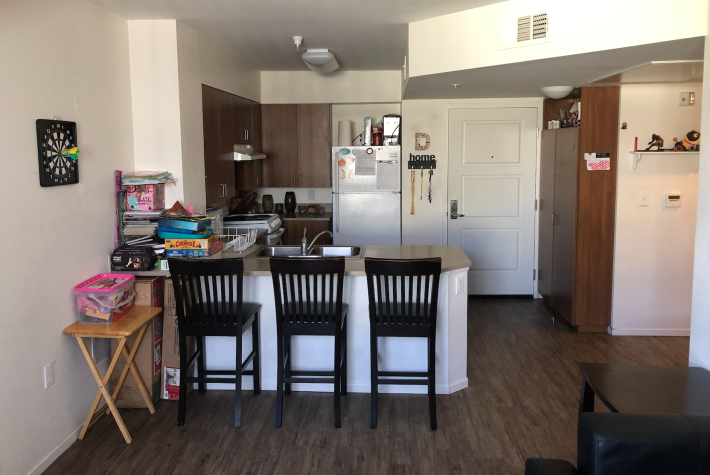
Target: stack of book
{"type": "Point", "coordinates": [188, 236]}
{"type": "Point", "coordinates": [140, 229]}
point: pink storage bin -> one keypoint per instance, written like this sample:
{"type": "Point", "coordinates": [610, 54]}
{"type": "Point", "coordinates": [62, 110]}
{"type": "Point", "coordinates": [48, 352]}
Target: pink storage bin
{"type": "Point", "coordinates": [104, 298]}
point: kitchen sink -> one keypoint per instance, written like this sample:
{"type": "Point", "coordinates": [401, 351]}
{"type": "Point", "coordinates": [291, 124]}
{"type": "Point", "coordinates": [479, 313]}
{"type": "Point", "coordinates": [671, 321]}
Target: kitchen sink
{"type": "Point", "coordinates": [356, 252]}
{"type": "Point", "coordinates": [351, 252]}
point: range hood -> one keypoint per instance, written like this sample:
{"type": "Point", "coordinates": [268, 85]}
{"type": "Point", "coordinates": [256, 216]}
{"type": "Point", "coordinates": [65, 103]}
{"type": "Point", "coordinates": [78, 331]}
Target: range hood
{"type": "Point", "coordinates": [245, 153]}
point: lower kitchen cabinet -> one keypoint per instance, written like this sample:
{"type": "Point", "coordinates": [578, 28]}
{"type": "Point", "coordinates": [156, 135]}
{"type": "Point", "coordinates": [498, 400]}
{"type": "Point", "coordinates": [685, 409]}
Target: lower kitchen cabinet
{"type": "Point", "coordinates": [294, 231]}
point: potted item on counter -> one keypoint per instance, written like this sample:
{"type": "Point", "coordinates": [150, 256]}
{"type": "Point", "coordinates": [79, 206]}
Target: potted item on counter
{"type": "Point", "coordinates": [267, 203]}
{"type": "Point", "coordinates": [290, 202]}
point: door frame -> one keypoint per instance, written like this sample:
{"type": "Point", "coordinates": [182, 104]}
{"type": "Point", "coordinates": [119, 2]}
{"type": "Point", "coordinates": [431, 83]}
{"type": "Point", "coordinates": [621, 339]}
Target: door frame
{"type": "Point", "coordinates": [524, 102]}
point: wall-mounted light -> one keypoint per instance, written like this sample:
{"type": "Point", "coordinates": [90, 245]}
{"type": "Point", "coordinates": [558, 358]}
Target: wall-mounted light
{"type": "Point", "coordinates": [320, 60]}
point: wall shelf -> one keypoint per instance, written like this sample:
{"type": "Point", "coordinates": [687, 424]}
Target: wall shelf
{"type": "Point", "coordinates": [637, 155]}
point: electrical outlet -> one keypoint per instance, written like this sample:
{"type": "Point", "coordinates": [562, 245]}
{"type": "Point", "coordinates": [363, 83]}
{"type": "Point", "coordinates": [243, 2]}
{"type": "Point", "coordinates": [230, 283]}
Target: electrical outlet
{"type": "Point", "coordinates": [48, 375]}
{"type": "Point", "coordinates": [311, 195]}
{"type": "Point", "coordinates": [459, 285]}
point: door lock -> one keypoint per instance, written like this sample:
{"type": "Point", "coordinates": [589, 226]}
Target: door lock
{"type": "Point", "coordinates": [454, 208]}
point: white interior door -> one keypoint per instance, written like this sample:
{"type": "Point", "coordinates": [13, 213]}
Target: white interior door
{"type": "Point", "coordinates": [492, 160]}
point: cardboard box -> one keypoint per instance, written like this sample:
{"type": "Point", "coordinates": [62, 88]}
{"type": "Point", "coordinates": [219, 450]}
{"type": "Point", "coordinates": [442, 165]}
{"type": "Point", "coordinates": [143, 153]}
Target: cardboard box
{"type": "Point", "coordinates": [171, 341]}
{"type": "Point", "coordinates": [170, 307]}
{"type": "Point", "coordinates": [192, 243]}
{"type": "Point", "coordinates": [195, 253]}
{"type": "Point", "coordinates": [150, 292]}
{"type": "Point", "coordinates": [148, 360]}
{"type": "Point", "coordinates": [171, 374]}
{"type": "Point", "coordinates": [145, 197]}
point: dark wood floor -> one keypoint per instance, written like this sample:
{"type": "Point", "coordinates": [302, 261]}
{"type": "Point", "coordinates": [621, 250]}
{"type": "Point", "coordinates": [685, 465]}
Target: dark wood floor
{"type": "Point", "coordinates": [521, 402]}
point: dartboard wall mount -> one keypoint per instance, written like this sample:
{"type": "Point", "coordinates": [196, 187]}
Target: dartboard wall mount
{"type": "Point", "coordinates": [52, 137]}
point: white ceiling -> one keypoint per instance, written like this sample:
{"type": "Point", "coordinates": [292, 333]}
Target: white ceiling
{"type": "Point", "coordinates": [363, 34]}
{"type": "Point", "coordinates": [526, 79]}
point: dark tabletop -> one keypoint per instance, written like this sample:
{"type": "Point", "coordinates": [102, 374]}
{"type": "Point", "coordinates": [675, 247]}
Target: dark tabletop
{"type": "Point", "coordinates": [650, 389]}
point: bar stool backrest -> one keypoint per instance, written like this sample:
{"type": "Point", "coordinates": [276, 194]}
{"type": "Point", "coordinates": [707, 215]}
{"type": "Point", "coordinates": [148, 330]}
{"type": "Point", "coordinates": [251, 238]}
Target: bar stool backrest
{"type": "Point", "coordinates": [403, 291]}
{"type": "Point", "coordinates": [308, 290]}
{"type": "Point", "coordinates": [206, 292]}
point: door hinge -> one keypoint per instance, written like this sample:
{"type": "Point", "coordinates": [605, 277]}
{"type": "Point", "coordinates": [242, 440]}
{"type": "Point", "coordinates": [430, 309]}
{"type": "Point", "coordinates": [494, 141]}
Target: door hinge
{"type": "Point", "coordinates": [534, 274]}
{"type": "Point", "coordinates": [535, 204]}
{"type": "Point", "coordinates": [538, 132]}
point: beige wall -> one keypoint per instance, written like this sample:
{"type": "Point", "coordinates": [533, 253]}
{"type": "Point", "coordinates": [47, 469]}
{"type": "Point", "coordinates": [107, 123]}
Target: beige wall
{"type": "Point", "coordinates": [428, 224]}
{"type": "Point", "coordinates": [156, 100]}
{"type": "Point", "coordinates": [220, 70]}
{"type": "Point", "coordinates": [472, 38]}
{"type": "Point", "coordinates": [294, 87]}
{"type": "Point", "coordinates": [653, 250]}
{"type": "Point", "coordinates": [54, 238]}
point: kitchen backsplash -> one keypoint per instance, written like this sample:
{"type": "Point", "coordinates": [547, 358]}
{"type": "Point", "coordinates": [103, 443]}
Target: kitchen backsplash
{"type": "Point", "coordinates": [321, 195]}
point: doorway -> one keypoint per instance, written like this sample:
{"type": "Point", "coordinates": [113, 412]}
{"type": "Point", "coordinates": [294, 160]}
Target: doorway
{"type": "Point", "coordinates": [491, 176]}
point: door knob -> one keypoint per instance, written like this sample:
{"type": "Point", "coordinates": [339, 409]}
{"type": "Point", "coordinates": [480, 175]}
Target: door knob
{"type": "Point", "coordinates": [454, 208]}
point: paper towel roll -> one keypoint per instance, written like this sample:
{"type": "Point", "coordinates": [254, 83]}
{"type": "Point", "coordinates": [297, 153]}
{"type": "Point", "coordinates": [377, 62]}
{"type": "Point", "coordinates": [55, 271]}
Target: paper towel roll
{"type": "Point", "coordinates": [345, 133]}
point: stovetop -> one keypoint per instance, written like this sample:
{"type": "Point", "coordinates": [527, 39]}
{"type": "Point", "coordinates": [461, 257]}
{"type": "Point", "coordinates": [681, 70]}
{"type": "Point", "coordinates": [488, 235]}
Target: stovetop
{"type": "Point", "coordinates": [249, 217]}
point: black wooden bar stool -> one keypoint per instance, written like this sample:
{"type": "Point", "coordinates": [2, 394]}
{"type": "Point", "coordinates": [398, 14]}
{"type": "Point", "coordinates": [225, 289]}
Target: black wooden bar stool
{"type": "Point", "coordinates": [403, 297]}
{"type": "Point", "coordinates": [309, 301]}
{"type": "Point", "coordinates": [210, 304]}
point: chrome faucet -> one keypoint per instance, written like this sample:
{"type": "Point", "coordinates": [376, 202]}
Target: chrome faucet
{"type": "Point", "coordinates": [305, 247]}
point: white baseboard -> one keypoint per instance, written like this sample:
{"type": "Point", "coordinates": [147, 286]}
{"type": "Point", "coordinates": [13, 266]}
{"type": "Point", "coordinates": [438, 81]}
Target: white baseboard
{"type": "Point", "coordinates": [353, 388]}
{"type": "Point", "coordinates": [650, 332]}
{"type": "Point", "coordinates": [54, 454]}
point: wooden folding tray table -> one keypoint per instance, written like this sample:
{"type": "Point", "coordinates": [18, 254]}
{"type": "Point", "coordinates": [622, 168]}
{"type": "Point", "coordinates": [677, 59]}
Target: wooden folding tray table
{"type": "Point", "coordinates": [136, 320]}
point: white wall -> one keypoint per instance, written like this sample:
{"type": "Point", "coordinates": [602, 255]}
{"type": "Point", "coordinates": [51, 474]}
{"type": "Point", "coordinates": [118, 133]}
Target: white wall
{"type": "Point", "coordinates": [80, 74]}
{"type": "Point", "coordinates": [428, 224]}
{"type": "Point", "coordinates": [472, 38]}
{"type": "Point", "coordinates": [156, 101]}
{"type": "Point", "coordinates": [224, 72]}
{"type": "Point", "coordinates": [700, 313]}
{"type": "Point", "coordinates": [653, 255]}
{"type": "Point", "coordinates": [301, 87]}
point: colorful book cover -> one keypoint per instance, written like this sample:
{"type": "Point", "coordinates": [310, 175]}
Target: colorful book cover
{"type": "Point", "coordinates": [194, 225]}
{"type": "Point", "coordinates": [192, 243]}
{"type": "Point", "coordinates": [194, 252]}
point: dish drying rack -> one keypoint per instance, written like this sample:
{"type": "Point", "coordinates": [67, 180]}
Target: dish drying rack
{"type": "Point", "coordinates": [230, 238]}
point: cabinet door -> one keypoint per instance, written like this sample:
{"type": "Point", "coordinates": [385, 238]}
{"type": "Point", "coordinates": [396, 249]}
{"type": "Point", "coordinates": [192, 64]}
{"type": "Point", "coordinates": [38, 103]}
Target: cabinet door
{"type": "Point", "coordinates": [226, 140]}
{"type": "Point", "coordinates": [242, 120]}
{"type": "Point", "coordinates": [248, 175]}
{"type": "Point", "coordinates": [294, 232]}
{"type": "Point", "coordinates": [314, 158]}
{"type": "Point", "coordinates": [546, 208]}
{"type": "Point", "coordinates": [214, 190]}
{"type": "Point", "coordinates": [279, 144]}
{"type": "Point", "coordinates": [564, 222]}
{"type": "Point", "coordinates": [256, 128]}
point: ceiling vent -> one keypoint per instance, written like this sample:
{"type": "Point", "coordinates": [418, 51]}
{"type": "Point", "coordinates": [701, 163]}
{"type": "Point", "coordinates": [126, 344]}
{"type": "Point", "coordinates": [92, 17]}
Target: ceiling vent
{"type": "Point", "coordinates": [527, 30]}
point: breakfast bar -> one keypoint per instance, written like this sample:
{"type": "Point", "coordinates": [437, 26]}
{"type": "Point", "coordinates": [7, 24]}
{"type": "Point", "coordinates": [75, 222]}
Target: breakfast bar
{"type": "Point", "coordinates": [396, 354]}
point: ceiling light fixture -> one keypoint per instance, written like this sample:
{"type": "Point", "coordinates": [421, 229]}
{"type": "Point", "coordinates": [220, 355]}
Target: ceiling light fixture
{"type": "Point", "coordinates": [320, 60]}
{"type": "Point", "coordinates": [557, 92]}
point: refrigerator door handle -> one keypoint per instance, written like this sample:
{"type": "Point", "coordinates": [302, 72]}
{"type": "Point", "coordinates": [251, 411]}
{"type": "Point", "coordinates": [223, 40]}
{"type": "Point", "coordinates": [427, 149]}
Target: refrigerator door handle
{"type": "Point", "coordinates": [337, 213]}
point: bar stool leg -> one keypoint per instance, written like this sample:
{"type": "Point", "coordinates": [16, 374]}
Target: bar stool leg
{"type": "Point", "coordinates": [182, 398]}
{"type": "Point", "coordinates": [201, 387]}
{"type": "Point", "coordinates": [287, 357]}
{"type": "Point", "coordinates": [279, 378]}
{"type": "Point", "coordinates": [337, 375]}
{"type": "Point", "coordinates": [257, 350]}
{"type": "Point", "coordinates": [432, 380]}
{"type": "Point", "coordinates": [373, 379]}
{"type": "Point", "coordinates": [238, 385]}
{"type": "Point", "coordinates": [344, 380]}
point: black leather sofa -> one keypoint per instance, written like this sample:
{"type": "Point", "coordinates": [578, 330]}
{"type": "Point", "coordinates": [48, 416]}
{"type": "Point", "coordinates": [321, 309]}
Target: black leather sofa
{"type": "Point", "coordinates": [635, 444]}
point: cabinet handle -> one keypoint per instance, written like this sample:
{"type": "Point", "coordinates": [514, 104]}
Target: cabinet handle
{"type": "Point", "coordinates": [294, 179]}
{"type": "Point", "coordinates": [247, 132]}
{"type": "Point", "coordinates": [257, 182]}
{"type": "Point", "coordinates": [552, 218]}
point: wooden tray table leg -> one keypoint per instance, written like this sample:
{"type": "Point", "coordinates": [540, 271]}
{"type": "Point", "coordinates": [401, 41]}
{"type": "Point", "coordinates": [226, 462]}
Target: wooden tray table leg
{"type": "Point", "coordinates": [104, 391]}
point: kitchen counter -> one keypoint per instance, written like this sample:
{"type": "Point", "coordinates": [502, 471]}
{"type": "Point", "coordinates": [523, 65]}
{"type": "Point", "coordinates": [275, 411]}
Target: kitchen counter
{"type": "Point", "coordinates": [452, 258]}
{"type": "Point", "coordinates": [305, 216]}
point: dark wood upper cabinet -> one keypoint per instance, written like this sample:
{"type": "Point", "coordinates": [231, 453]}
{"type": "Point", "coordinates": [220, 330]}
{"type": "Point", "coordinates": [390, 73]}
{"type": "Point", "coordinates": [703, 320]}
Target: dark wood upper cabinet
{"type": "Point", "coordinates": [226, 140]}
{"type": "Point", "coordinates": [314, 145]}
{"type": "Point", "coordinates": [242, 113]}
{"type": "Point", "coordinates": [256, 128]}
{"type": "Point", "coordinates": [214, 188]}
{"type": "Point", "coordinates": [279, 132]}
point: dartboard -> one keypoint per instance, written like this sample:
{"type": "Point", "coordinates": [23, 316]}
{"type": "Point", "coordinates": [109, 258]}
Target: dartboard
{"type": "Point", "coordinates": [52, 137]}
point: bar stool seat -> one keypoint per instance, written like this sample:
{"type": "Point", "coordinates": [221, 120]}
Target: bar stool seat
{"type": "Point", "coordinates": [403, 298]}
{"type": "Point", "coordinates": [308, 295]}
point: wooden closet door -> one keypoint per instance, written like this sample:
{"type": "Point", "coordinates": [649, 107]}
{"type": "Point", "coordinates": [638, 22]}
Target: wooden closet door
{"type": "Point", "coordinates": [564, 222]}
{"type": "Point", "coordinates": [279, 139]}
{"type": "Point", "coordinates": [546, 208]}
{"type": "Point", "coordinates": [314, 152]}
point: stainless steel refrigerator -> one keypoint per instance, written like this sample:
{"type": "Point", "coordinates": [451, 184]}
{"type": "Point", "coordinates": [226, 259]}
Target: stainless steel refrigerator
{"type": "Point", "coordinates": [367, 202]}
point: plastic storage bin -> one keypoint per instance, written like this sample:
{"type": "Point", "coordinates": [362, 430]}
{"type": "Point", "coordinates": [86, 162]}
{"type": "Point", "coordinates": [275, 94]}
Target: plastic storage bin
{"type": "Point", "coordinates": [104, 298]}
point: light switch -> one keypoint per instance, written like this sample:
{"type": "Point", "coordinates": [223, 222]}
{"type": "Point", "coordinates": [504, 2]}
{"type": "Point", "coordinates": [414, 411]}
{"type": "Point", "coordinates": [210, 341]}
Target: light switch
{"type": "Point", "coordinates": [459, 285]}
{"type": "Point", "coordinates": [643, 198]}
{"type": "Point", "coordinates": [684, 99]}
